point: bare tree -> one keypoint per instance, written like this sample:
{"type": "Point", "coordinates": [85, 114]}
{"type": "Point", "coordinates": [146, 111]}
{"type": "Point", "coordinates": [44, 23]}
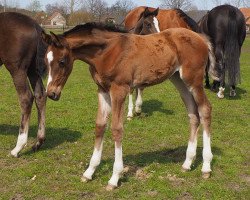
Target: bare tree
{"type": "Point", "coordinates": [34, 6]}
{"type": "Point", "coordinates": [240, 3]}
{"type": "Point", "coordinates": [71, 5]}
{"type": "Point", "coordinates": [96, 8]}
{"type": "Point", "coordinates": [217, 2]}
{"type": "Point", "coordinates": [181, 4]}
{"type": "Point", "coordinates": [51, 8]}
{"type": "Point", "coordinates": [120, 9]}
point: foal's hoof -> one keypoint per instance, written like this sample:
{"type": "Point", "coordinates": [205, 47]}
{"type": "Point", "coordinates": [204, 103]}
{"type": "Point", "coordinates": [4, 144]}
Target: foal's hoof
{"type": "Point", "coordinates": [206, 175]}
{"type": "Point", "coordinates": [184, 169]}
{"type": "Point", "coordinates": [14, 154]}
{"type": "Point", "coordinates": [110, 187]}
{"type": "Point", "coordinates": [85, 179]}
{"type": "Point", "coordinates": [129, 118]}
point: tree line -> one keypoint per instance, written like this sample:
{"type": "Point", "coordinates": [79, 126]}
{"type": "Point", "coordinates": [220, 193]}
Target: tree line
{"type": "Point", "coordinates": [82, 11]}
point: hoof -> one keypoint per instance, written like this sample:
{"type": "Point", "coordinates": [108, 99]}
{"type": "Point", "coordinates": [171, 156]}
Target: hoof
{"type": "Point", "coordinates": [110, 187]}
{"type": "Point", "coordinates": [206, 175]}
{"type": "Point", "coordinates": [138, 113]}
{"type": "Point", "coordinates": [232, 93]}
{"type": "Point", "coordinates": [16, 155]}
{"type": "Point", "coordinates": [184, 169]}
{"type": "Point", "coordinates": [129, 118]}
{"type": "Point", "coordinates": [85, 179]}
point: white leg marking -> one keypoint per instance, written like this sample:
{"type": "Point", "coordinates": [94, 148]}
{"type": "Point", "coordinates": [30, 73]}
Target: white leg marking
{"type": "Point", "coordinates": [190, 154]}
{"type": "Point", "coordinates": [94, 162]}
{"type": "Point", "coordinates": [118, 166]}
{"type": "Point", "coordinates": [156, 23]}
{"type": "Point", "coordinates": [21, 142]}
{"type": "Point", "coordinates": [138, 102]}
{"type": "Point", "coordinates": [207, 153]}
{"type": "Point", "coordinates": [130, 106]}
{"type": "Point", "coordinates": [50, 59]}
{"type": "Point", "coordinates": [220, 94]}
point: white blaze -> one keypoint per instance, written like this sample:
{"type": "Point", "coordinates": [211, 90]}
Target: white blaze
{"type": "Point", "coordinates": [50, 59]}
{"type": "Point", "coordinates": [156, 23]}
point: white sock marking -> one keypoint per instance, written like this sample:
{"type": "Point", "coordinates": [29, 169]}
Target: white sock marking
{"type": "Point", "coordinates": [190, 154]}
{"type": "Point", "coordinates": [118, 166]}
{"type": "Point", "coordinates": [21, 142]}
{"type": "Point", "coordinates": [207, 153]}
{"type": "Point", "coordinates": [138, 102]}
{"type": "Point", "coordinates": [220, 94]}
{"type": "Point", "coordinates": [94, 162]}
{"type": "Point", "coordinates": [156, 23]}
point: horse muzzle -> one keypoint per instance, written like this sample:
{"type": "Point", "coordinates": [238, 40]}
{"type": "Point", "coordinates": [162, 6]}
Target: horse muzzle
{"type": "Point", "coordinates": [54, 95]}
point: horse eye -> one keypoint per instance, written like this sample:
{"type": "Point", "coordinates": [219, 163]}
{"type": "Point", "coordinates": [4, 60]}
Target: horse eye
{"type": "Point", "coordinates": [148, 25]}
{"type": "Point", "coordinates": [62, 62]}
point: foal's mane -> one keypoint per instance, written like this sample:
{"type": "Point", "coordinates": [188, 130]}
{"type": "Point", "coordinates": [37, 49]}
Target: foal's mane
{"type": "Point", "coordinates": [93, 25]}
{"type": "Point", "coordinates": [191, 23]}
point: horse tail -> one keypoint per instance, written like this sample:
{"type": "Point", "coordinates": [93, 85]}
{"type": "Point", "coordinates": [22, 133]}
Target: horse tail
{"type": "Point", "coordinates": [211, 65]}
{"type": "Point", "coordinates": [232, 51]}
{"type": "Point", "coordinates": [40, 54]}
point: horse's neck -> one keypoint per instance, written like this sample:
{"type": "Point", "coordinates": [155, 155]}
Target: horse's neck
{"type": "Point", "coordinates": [90, 48]}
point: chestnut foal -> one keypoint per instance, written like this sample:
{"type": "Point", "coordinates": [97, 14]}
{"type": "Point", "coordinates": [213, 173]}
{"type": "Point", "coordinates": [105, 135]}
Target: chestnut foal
{"type": "Point", "coordinates": [146, 20]}
{"type": "Point", "coordinates": [117, 64]}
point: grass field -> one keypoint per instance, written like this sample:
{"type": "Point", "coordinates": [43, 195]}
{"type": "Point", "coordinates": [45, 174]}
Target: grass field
{"type": "Point", "coordinates": [154, 146]}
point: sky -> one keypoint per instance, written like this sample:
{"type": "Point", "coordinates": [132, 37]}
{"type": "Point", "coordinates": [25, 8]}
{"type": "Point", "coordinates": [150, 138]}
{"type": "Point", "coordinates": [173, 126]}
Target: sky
{"type": "Point", "coordinates": [201, 4]}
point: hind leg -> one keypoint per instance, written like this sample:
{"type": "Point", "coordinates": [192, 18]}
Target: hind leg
{"type": "Point", "coordinates": [40, 100]}
{"type": "Point", "coordinates": [25, 99]}
{"type": "Point", "coordinates": [138, 102]}
{"type": "Point", "coordinates": [194, 120]}
{"type": "Point", "coordinates": [205, 110]}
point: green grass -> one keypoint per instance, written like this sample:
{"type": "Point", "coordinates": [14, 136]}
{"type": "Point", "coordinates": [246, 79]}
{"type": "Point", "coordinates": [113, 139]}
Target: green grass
{"type": "Point", "coordinates": [154, 145]}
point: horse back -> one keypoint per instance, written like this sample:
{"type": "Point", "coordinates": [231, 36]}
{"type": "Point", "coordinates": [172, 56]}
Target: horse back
{"type": "Point", "coordinates": [20, 41]}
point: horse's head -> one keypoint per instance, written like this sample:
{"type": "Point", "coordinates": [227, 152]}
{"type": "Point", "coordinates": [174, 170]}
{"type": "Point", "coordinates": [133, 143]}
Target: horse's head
{"type": "Point", "coordinates": [148, 23]}
{"type": "Point", "coordinates": [59, 62]}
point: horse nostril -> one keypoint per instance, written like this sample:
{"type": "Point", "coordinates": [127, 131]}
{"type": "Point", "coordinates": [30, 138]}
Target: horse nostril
{"type": "Point", "coordinates": [53, 95]}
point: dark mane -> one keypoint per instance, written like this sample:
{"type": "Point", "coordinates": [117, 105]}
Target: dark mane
{"type": "Point", "coordinates": [191, 23]}
{"type": "Point", "coordinates": [93, 25]}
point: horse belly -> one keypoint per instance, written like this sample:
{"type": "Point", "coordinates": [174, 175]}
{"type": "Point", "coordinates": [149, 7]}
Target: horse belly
{"type": "Point", "coordinates": [155, 73]}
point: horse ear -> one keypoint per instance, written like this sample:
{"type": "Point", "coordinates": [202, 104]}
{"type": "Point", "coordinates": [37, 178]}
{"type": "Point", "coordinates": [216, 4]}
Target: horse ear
{"type": "Point", "coordinates": [55, 39]}
{"type": "Point", "coordinates": [146, 12]}
{"type": "Point", "coordinates": [46, 38]}
{"type": "Point", "coordinates": [156, 11]}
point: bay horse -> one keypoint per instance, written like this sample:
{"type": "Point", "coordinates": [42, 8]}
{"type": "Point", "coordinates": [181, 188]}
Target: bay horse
{"type": "Point", "coordinates": [226, 27]}
{"type": "Point", "coordinates": [22, 52]}
{"type": "Point", "coordinates": [117, 64]}
{"type": "Point", "coordinates": [146, 20]}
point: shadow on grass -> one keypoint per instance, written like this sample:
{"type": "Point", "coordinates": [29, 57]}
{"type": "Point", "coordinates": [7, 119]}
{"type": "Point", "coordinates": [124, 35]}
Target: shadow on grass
{"type": "Point", "coordinates": [153, 105]}
{"type": "Point", "coordinates": [54, 136]}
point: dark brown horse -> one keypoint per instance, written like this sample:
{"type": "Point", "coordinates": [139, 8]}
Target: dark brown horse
{"type": "Point", "coordinates": [117, 64]}
{"type": "Point", "coordinates": [22, 52]}
{"type": "Point", "coordinates": [226, 27]}
{"type": "Point", "coordinates": [146, 20]}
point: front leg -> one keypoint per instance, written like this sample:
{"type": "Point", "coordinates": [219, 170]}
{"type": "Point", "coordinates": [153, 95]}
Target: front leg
{"type": "Point", "coordinates": [118, 95]}
{"type": "Point", "coordinates": [104, 108]}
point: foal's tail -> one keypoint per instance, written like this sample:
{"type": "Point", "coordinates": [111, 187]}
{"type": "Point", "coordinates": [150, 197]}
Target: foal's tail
{"type": "Point", "coordinates": [211, 65]}
{"type": "Point", "coordinates": [232, 51]}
